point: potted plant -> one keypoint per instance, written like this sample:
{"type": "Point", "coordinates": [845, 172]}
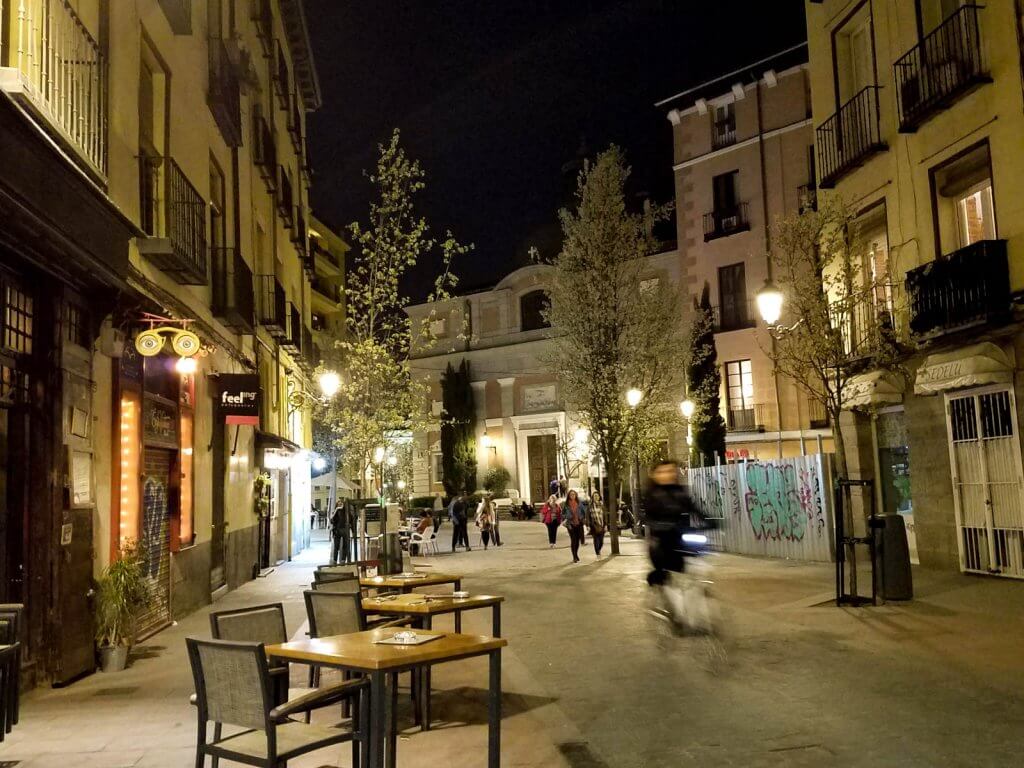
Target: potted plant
{"type": "Point", "coordinates": [121, 594]}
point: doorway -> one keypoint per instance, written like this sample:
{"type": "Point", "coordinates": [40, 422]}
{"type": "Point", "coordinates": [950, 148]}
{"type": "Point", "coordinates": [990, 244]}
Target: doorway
{"type": "Point", "coordinates": [984, 452]}
{"type": "Point", "coordinates": [542, 458]}
{"type": "Point", "coordinates": [155, 542]}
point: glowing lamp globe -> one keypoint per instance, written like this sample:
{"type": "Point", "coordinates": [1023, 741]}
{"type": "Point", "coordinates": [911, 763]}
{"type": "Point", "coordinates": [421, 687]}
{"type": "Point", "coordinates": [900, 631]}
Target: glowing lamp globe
{"type": "Point", "coordinates": [687, 407]}
{"type": "Point", "coordinates": [330, 383]}
{"type": "Point", "coordinates": [769, 303]}
{"type": "Point", "coordinates": [633, 397]}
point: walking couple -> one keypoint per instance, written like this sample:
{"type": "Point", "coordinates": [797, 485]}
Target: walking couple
{"type": "Point", "coordinates": [574, 514]}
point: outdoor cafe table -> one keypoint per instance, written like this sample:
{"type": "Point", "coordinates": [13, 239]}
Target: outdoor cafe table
{"type": "Point", "coordinates": [358, 652]}
{"type": "Point", "coordinates": [423, 608]}
{"type": "Point", "coordinates": [406, 584]}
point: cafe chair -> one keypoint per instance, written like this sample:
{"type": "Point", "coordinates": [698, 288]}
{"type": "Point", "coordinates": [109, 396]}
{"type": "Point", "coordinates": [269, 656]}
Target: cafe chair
{"type": "Point", "coordinates": [424, 544]}
{"type": "Point", "coordinates": [256, 624]}
{"type": "Point", "coordinates": [10, 634]}
{"type": "Point", "coordinates": [330, 571]}
{"type": "Point", "coordinates": [9, 680]}
{"type": "Point", "coordinates": [234, 686]}
{"type": "Point", "coordinates": [344, 586]}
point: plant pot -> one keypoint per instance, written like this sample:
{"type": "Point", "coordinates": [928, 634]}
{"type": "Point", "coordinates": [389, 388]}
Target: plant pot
{"type": "Point", "coordinates": [113, 658]}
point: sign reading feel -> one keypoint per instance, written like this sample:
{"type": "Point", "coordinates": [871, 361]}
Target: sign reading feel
{"type": "Point", "coordinates": [239, 398]}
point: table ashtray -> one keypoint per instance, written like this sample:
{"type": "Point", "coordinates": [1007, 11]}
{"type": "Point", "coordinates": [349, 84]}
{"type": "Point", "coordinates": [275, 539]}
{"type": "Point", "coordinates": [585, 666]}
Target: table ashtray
{"type": "Point", "coordinates": [405, 637]}
{"type": "Point", "coordinates": [460, 595]}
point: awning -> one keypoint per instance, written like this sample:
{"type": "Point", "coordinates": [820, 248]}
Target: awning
{"type": "Point", "coordinates": [270, 440]}
{"type": "Point", "coordinates": [973, 366]}
{"type": "Point", "coordinates": [874, 389]}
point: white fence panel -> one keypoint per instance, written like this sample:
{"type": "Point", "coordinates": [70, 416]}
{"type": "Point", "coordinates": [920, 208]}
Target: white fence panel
{"type": "Point", "coordinates": [776, 508]}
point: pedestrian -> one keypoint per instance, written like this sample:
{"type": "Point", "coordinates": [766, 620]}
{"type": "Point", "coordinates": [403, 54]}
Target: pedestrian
{"type": "Point", "coordinates": [485, 519]}
{"type": "Point", "coordinates": [574, 515]}
{"type": "Point", "coordinates": [453, 515]}
{"type": "Point", "coordinates": [525, 511]}
{"type": "Point", "coordinates": [596, 521]}
{"type": "Point", "coordinates": [551, 516]}
{"type": "Point", "coordinates": [553, 487]}
{"type": "Point", "coordinates": [495, 521]}
{"type": "Point", "coordinates": [341, 533]}
{"type": "Point", "coordinates": [563, 487]}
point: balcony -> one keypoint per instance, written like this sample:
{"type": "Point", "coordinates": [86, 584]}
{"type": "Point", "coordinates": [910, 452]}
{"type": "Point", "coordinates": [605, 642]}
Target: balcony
{"type": "Point", "coordinates": [326, 289]}
{"type": "Point", "coordinates": [726, 222]}
{"type": "Point", "coordinates": [263, 16]}
{"type": "Point", "coordinates": [224, 93]}
{"type": "Point", "coordinates": [737, 316]}
{"type": "Point", "coordinates": [723, 135]}
{"type": "Point", "coordinates": [299, 231]}
{"type": "Point", "coordinates": [940, 69]}
{"type": "Point", "coordinates": [173, 215]}
{"type": "Point", "coordinates": [868, 321]}
{"type": "Point", "coordinates": [807, 194]}
{"type": "Point", "coordinates": [849, 138]}
{"type": "Point", "coordinates": [272, 305]}
{"type": "Point", "coordinates": [757, 417]}
{"type": "Point", "coordinates": [179, 15]}
{"type": "Point", "coordinates": [310, 354]}
{"type": "Point", "coordinates": [233, 297]}
{"type": "Point", "coordinates": [968, 288]}
{"type": "Point", "coordinates": [54, 68]}
{"type": "Point", "coordinates": [264, 150]}
{"type": "Point", "coordinates": [281, 78]}
{"type": "Point", "coordinates": [295, 124]}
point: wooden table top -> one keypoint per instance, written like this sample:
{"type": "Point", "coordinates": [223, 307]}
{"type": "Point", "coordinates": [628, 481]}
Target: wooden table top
{"type": "Point", "coordinates": [420, 604]}
{"type": "Point", "coordinates": [358, 650]}
{"type": "Point", "coordinates": [396, 581]}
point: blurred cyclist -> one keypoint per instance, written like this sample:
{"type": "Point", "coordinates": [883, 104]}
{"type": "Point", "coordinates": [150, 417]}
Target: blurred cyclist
{"type": "Point", "coordinates": [674, 523]}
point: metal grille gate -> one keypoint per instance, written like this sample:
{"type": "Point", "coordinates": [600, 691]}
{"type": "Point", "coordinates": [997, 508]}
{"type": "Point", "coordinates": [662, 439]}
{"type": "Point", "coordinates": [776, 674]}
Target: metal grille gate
{"type": "Point", "coordinates": [155, 545]}
{"type": "Point", "coordinates": [984, 446]}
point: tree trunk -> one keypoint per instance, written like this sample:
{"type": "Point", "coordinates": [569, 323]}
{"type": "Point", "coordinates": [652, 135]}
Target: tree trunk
{"type": "Point", "coordinates": [613, 504]}
{"type": "Point", "coordinates": [842, 473]}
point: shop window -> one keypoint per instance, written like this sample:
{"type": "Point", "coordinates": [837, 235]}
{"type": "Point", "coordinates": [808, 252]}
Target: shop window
{"type": "Point", "coordinates": [963, 200]}
{"type": "Point", "coordinates": [17, 319]}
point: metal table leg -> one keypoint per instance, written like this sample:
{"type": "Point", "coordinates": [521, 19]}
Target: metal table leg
{"type": "Point", "coordinates": [496, 620]}
{"type": "Point", "coordinates": [458, 614]}
{"type": "Point", "coordinates": [391, 753]}
{"type": "Point", "coordinates": [425, 683]}
{"type": "Point", "coordinates": [494, 712]}
{"type": "Point", "coordinates": [378, 720]}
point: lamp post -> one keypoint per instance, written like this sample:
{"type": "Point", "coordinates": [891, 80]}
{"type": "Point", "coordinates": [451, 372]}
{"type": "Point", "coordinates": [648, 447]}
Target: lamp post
{"type": "Point", "coordinates": [633, 398]}
{"type": "Point", "coordinates": [769, 305]}
{"type": "Point", "coordinates": [687, 408]}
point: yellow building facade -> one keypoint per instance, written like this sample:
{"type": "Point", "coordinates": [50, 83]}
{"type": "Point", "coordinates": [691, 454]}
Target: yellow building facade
{"type": "Point", "coordinates": [918, 112]}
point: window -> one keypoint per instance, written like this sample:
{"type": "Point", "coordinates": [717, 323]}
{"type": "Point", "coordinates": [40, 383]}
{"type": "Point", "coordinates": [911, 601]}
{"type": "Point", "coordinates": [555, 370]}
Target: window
{"type": "Point", "coordinates": [436, 471]}
{"type": "Point", "coordinates": [218, 233]}
{"type": "Point", "coordinates": [934, 12]}
{"type": "Point", "coordinates": [723, 129]}
{"type": "Point", "coordinates": [740, 394]}
{"type": "Point", "coordinates": [532, 308]}
{"type": "Point", "coordinates": [963, 199]}
{"type": "Point", "coordinates": [17, 319]}
{"type": "Point", "coordinates": [724, 192]}
{"type": "Point", "coordinates": [76, 325]}
{"type": "Point", "coordinates": [732, 298]}
{"type": "Point", "coordinates": [854, 55]}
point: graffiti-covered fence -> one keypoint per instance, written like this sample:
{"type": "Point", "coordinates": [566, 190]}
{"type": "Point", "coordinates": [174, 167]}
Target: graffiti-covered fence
{"type": "Point", "coordinates": [778, 508]}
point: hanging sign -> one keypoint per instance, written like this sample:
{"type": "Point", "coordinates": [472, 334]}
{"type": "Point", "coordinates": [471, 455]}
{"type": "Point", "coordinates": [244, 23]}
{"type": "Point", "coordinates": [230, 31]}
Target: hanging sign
{"type": "Point", "coordinates": [239, 398]}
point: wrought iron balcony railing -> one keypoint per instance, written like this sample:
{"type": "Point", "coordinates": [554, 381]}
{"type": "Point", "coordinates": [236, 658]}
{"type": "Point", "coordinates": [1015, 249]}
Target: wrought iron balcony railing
{"type": "Point", "coordinates": [849, 137]}
{"type": "Point", "coordinates": [968, 288]}
{"type": "Point", "coordinates": [756, 417]}
{"type": "Point", "coordinates": [264, 152]}
{"type": "Point", "coordinates": [723, 135]}
{"type": "Point", "coordinates": [945, 65]}
{"type": "Point", "coordinates": [52, 65]}
{"type": "Point", "coordinates": [233, 296]}
{"type": "Point", "coordinates": [310, 354]}
{"type": "Point", "coordinates": [285, 200]}
{"type": "Point", "coordinates": [726, 222]}
{"type": "Point", "coordinates": [868, 320]}
{"type": "Point", "coordinates": [292, 341]}
{"type": "Point", "coordinates": [173, 215]}
{"type": "Point", "coordinates": [272, 305]}
{"type": "Point", "coordinates": [734, 316]}
{"type": "Point", "coordinates": [224, 93]}
{"type": "Point", "coordinates": [264, 18]}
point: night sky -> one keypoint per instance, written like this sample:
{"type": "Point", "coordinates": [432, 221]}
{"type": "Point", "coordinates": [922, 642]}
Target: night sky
{"type": "Point", "coordinates": [497, 97]}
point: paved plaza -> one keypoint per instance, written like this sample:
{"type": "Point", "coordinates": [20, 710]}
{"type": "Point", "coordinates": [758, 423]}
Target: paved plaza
{"type": "Point", "coordinates": [593, 680]}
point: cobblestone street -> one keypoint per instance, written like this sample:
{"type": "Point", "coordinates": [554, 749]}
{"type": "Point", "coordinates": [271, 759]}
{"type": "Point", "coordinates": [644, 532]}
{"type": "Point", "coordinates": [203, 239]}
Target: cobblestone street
{"type": "Point", "coordinates": [591, 679]}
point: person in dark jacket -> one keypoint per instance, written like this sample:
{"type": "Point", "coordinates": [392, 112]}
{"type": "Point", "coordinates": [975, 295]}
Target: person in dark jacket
{"type": "Point", "coordinates": [574, 515]}
{"type": "Point", "coordinates": [342, 525]}
{"type": "Point", "coordinates": [668, 512]}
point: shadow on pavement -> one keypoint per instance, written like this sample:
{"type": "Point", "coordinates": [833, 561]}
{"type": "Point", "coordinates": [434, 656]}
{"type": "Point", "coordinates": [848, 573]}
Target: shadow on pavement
{"type": "Point", "coordinates": [579, 755]}
{"type": "Point", "coordinates": [457, 707]}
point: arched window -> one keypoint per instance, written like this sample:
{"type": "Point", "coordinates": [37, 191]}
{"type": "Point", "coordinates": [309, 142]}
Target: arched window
{"type": "Point", "coordinates": [532, 306]}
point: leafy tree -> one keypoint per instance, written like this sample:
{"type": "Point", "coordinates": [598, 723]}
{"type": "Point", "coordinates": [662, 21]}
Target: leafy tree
{"type": "Point", "coordinates": [458, 430]}
{"type": "Point", "coordinates": [379, 395]}
{"type": "Point", "coordinates": [705, 384]}
{"type": "Point", "coordinates": [613, 330]}
{"type": "Point", "coordinates": [836, 314]}
{"type": "Point", "coordinates": [496, 480]}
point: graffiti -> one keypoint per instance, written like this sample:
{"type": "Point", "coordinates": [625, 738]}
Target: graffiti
{"type": "Point", "coordinates": [154, 510]}
{"type": "Point", "coordinates": [774, 507]}
{"type": "Point", "coordinates": [773, 502]}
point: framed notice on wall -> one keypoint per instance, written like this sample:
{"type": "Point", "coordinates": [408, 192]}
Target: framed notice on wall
{"type": "Point", "coordinates": [80, 477]}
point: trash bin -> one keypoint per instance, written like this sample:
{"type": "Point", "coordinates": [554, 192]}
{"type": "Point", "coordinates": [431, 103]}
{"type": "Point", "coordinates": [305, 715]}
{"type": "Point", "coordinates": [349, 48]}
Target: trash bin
{"type": "Point", "coordinates": [894, 558]}
{"type": "Point", "coordinates": [390, 553]}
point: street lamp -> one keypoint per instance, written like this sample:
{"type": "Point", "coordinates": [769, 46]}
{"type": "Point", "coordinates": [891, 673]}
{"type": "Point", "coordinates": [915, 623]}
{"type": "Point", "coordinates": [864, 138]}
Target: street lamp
{"type": "Point", "coordinates": [687, 407]}
{"type": "Point", "coordinates": [769, 303]}
{"type": "Point", "coordinates": [392, 460]}
{"type": "Point", "coordinates": [330, 383]}
{"type": "Point", "coordinates": [633, 398]}
{"type": "Point", "coordinates": [319, 464]}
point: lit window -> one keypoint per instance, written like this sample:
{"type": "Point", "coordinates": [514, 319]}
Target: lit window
{"type": "Point", "coordinates": [975, 218]}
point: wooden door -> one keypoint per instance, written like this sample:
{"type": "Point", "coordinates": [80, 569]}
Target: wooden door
{"type": "Point", "coordinates": [543, 464]}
